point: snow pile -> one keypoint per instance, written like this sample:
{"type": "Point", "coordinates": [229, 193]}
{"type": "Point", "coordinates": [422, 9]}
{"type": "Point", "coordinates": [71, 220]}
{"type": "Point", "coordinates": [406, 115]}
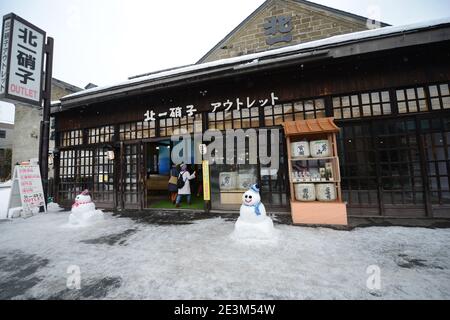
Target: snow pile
{"type": "Point", "coordinates": [253, 222]}
{"type": "Point", "coordinates": [5, 189]}
{"type": "Point", "coordinates": [83, 211]}
{"type": "Point", "coordinates": [54, 207]}
{"type": "Point", "coordinates": [6, 184]}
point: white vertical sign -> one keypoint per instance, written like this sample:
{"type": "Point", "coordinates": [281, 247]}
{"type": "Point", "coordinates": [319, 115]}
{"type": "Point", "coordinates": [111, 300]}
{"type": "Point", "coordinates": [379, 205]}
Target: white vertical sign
{"type": "Point", "coordinates": [6, 32]}
{"type": "Point", "coordinates": [22, 56]}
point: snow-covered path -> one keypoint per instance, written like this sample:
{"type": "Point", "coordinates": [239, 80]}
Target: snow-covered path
{"type": "Point", "coordinates": [120, 258]}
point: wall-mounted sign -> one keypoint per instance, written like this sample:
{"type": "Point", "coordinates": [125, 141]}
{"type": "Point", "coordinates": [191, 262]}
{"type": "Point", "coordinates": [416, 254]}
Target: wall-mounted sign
{"type": "Point", "coordinates": [206, 183]}
{"type": "Point", "coordinates": [227, 106]}
{"type": "Point", "coordinates": [278, 29]}
{"type": "Point", "coordinates": [22, 56]}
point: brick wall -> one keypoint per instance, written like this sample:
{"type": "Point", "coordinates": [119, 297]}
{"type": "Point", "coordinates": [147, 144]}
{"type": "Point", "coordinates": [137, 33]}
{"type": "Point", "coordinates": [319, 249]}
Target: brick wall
{"type": "Point", "coordinates": [308, 25]}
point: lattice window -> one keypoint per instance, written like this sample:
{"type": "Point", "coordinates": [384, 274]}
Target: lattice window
{"type": "Point", "coordinates": [367, 104]}
{"type": "Point", "coordinates": [100, 135]}
{"type": "Point", "coordinates": [440, 96]}
{"type": "Point", "coordinates": [75, 173]}
{"type": "Point", "coordinates": [167, 126]}
{"type": "Point", "coordinates": [299, 110]}
{"type": "Point", "coordinates": [72, 138]}
{"type": "Point", "coordinates": [244, 118]}
{"type": "Point", "coordinates": [103, 184]}
{"type": "Point", "coordinates": [411, 100]}
{"type": "Point", "coordinates": [137, 130]}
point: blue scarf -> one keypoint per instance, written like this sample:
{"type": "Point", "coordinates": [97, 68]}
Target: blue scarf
{"type": "Point", "coordinates": [256, 206]}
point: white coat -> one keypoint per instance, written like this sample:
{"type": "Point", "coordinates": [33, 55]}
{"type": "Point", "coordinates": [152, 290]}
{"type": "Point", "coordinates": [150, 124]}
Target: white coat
{"type": "Point", "coordinates": [187, 186]}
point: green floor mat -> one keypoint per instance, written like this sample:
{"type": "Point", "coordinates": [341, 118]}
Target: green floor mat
{"type": "Point", "coordinates": [197, 203]}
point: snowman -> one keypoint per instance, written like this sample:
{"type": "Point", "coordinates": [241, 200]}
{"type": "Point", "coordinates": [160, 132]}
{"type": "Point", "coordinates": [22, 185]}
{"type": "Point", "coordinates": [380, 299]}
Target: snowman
{"type": "Point", "coordinates": [83, 210]}
{"type": "Point", "coordinates": [253, 222]}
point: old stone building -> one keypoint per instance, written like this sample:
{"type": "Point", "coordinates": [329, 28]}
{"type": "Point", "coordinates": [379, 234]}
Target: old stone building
{"type": "Point", "coordinates": [289, 61]}
{"type": "Point", "coordinates": [297, 21]}
{"type": "Point", "coordinates": [27, 125]}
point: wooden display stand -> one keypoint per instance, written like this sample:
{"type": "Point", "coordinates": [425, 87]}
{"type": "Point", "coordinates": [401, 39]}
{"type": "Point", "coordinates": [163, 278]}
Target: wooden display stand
{"type": "Point", "coordinates": [315, 212]}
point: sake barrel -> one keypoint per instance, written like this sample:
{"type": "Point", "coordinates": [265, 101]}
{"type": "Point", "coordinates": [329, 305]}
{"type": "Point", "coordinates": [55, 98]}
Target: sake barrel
{"type": "Point", "coordinates": [305, 192]}
{"type": "Point", "coordinates": [228, 180]}
{"type": "Point", "coordinates": [326, 192]}
{"type": "Point", "coordinates": [320, 148]}
{"type": "Point", "coordinates": [300, 149]}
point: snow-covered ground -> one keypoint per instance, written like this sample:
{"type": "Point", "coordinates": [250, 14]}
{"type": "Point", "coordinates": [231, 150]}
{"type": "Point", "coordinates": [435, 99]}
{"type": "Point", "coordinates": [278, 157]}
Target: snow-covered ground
{"type": "Point", "coordinates": [120, 258]}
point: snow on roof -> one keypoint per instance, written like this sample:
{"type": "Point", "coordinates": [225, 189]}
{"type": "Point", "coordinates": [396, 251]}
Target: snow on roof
{"type": "Point", "coordinates": [349, 37]}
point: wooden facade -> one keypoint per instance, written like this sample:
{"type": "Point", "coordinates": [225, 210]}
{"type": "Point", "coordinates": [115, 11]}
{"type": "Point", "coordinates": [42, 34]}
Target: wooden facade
{"type": "Point", "coordinates": [393, 108]}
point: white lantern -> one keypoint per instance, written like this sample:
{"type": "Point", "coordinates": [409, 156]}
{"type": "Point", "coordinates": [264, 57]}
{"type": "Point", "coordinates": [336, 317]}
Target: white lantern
{"type": "Point", "coordinates": [320, 148]}
{"type": "Point", "coordinates": [305, 192]}
{"type": "Point", "coordinates": [300, 149]}
{"type": "Point", "coordinates": [326, 192]}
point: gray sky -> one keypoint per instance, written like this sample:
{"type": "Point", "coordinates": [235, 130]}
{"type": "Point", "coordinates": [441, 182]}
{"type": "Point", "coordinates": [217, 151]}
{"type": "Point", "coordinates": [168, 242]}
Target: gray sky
{"type": "Point", "coordinates": [106, 41]}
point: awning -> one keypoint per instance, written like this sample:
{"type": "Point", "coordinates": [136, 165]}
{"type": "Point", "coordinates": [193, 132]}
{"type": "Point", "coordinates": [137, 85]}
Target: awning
{"type": "Point", "coordinates": [312, 126]}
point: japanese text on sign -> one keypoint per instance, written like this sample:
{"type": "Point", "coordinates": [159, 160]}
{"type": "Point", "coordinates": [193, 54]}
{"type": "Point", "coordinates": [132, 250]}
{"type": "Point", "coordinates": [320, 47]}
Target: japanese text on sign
{"type": "Point", "coordinates": [4, 54]}
{"type": "Point", "coordinates": [30, 186]}
{"type": "Point", "coordinates": [21, 66]}
{"type": "Point", "coordinates": [227, 106]}
{"type": "Point", "coordinates": [278, 29]}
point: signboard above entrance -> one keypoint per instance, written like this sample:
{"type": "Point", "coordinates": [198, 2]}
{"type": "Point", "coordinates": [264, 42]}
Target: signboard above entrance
{"type": "Point", "coordinates": [21, 65]}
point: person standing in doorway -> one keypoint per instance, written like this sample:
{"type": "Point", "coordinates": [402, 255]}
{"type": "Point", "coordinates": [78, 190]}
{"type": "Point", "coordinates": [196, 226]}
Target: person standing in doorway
{"type": "Point", "coordinates": [186, 189]}
{"type": "Point", "coordinates": [173, 189]}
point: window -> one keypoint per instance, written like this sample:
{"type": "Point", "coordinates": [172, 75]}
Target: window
{"type": "Point", "coordinates": [72, 138]}
{"type": "Point", "coordinates": [75, 172]}
{"type": "Point", "coordinates": [193, 124]}
{"type": "Point", "coordinates": [237, 119]}
{"type": "Point", "coordinates": [137, 130]}
{"type": "Point", "coordinates": [411, 100]}
{"type": "Point", "coordinates": [103, 174]}
{"type": "Point", "coordinates": [300, 110]}
{"type": "Point", "coordinates": [367, 104]}
{"type": "Point", "coordinates": [440, 96]}
{"type": "Point", "coordinates": [102, 134]}
{"type": "Point", "coordinates": [2, 134]}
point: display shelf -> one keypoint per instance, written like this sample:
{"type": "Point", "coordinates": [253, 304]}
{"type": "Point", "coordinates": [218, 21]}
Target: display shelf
{"type": "Point", "coordinates": [312, 159]}
{"type": "Point", "coordinates": [313, 181]}
{"type": "Point", "coordinates": [314, 132]}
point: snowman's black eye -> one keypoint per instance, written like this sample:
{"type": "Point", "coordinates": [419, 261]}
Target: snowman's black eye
{"type": "Point", "coordinates": [249, 197]}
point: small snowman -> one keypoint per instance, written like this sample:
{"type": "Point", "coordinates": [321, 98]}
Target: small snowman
{"type": "Point", "coordinates": [253, 222]}
{"type": "Point", "coordinates": [83, 210]}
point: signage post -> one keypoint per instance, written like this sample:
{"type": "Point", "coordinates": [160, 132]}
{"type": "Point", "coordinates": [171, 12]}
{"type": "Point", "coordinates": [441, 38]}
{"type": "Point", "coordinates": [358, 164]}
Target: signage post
{"type": "Point", "coordinates": [45, 123]}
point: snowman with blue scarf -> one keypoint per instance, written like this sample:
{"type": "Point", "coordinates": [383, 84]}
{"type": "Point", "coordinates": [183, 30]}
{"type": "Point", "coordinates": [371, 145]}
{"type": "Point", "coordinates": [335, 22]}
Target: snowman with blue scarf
{"type": "Point", "coordinates": [253, 221]}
